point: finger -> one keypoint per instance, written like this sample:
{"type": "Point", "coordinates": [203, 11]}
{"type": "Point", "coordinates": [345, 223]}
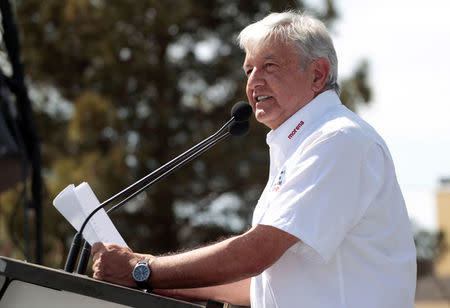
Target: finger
{"type": "Point", "coordinates": [96, 265]}
{"type": "Point", "coordinates": [97, 275]}
{"type": "Point", "coordinates": [97, 247]}
{"type": "Point", "coordinates": [95, 257]}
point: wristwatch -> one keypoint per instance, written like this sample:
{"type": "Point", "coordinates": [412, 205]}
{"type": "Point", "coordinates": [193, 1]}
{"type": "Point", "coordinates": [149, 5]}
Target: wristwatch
{"type": "Point", "coordinates": [141, 273]}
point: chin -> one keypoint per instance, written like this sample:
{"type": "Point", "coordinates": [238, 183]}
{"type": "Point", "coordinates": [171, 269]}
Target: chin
{"type": "Point", "coordinates": [260, 116]}
{"type": "Point", "coordinates": [263, 119]}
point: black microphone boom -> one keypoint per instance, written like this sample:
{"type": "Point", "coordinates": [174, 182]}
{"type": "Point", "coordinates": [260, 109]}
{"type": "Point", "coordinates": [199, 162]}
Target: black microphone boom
{"type": "Point", "coordinates": [237, 129]}
{"type": "Point", "coordinates": [238, 125]}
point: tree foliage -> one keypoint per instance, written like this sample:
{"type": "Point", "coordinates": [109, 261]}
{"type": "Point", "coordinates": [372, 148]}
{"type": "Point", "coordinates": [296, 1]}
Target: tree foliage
{"type": "Point", "coordinates": [120, 87]}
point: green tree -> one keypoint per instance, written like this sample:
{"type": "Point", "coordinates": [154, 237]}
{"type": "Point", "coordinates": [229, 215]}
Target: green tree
{"type": "Point", "coordinates": [120, 87]}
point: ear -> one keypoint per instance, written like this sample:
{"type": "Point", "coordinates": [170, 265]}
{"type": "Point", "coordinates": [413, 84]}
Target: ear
{"type": "Point", "coordinates": [320, 69]}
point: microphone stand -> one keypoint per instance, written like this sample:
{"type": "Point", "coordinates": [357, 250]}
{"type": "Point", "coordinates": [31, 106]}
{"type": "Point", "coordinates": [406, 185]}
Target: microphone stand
{"type": "Point", "coordinates": [178, 162]}
{"type": "Point", "coordinates": [84, 259]}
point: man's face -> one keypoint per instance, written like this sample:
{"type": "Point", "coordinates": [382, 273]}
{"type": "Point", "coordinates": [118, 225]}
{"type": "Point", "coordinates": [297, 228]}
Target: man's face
{"type": "Point", "coordinates": [277, 87]}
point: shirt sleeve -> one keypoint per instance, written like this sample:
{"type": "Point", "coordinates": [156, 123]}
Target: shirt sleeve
{"type": "Point", "coordinates": [327, 188]}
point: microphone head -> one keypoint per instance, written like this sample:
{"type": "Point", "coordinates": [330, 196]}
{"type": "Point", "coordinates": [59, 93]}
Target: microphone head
{"type": "Point", "coordinates": [241, 111]}
{"type": "Point", "coordinates": [239, 129]}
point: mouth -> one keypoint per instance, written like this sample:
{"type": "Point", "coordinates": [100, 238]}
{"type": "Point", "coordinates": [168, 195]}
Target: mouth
{"type": "Point", "coordinates": [262, 98]}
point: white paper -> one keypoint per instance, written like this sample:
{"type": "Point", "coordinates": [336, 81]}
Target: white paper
{"type": "Point", "coordinates": [76, 203]}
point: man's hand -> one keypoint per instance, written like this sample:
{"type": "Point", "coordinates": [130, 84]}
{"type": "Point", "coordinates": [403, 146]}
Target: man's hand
{"type": "Point", "coordinates": [114, 263]}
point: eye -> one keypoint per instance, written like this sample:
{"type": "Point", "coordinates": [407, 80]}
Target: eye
{"type": "Point", "coordinates": [248, 71]}
{"type": "Point", "coordinates": [270, 66]}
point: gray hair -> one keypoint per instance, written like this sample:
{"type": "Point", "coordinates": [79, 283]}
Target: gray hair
{"type": "Point", "coordinates": [308, 34]}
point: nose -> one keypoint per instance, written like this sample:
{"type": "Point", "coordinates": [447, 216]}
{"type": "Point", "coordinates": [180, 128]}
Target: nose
{"type": "Point", "coordinates": [255, 79]}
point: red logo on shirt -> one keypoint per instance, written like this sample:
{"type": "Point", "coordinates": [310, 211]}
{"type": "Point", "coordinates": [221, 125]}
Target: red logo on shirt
{"type": "Point", "coordinates": [296, 129]}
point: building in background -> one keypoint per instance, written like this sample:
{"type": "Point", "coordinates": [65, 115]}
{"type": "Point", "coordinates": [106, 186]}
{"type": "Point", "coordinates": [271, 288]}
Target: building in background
{"type": "Point", "coordinates": [442, 267]}
{"type": "Point", "coordinates": [433, 289]}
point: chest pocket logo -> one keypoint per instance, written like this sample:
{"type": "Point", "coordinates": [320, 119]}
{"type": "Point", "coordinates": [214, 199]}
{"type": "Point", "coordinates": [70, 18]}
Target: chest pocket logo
{"type": "Point", "coordinates": [279, 180]}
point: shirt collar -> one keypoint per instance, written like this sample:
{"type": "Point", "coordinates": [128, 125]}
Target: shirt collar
{"type": "Point", "coordinates": [285, 136]}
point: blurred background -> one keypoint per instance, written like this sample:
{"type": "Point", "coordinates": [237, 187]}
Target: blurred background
{"type": "Point", "coordinates": [106, 91]}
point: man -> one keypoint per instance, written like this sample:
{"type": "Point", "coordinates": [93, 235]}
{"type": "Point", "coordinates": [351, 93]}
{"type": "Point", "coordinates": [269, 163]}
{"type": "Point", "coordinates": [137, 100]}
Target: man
{"type": "Point", "coordinates": [331, 228]}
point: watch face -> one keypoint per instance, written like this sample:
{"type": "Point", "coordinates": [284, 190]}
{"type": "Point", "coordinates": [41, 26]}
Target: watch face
{"type": "Point", "coordinates": [141, 273]}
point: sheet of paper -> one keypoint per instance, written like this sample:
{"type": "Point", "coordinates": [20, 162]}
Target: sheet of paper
{"type": "Point", "coordinates": [76, 203]}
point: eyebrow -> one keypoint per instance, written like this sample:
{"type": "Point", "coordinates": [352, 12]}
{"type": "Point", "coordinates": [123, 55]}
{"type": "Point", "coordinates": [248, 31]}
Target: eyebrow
{"type": "Point", "coordinates": [268, 57]}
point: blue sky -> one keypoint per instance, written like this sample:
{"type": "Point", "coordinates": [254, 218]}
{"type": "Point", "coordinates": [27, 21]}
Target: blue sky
{"type": "Point", "coordinates": [407, 44]}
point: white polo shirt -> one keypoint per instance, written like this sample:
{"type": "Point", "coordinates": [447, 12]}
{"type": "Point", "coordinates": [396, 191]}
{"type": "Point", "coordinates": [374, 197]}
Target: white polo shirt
{"type": "Point", "coordinates": [332, 184]}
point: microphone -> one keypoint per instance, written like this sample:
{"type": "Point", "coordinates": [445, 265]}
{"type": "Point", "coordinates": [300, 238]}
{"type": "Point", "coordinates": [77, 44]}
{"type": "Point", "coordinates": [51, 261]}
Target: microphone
{"type": "Point", "coordinates": [238, 125]}
{"type": "Point", "coordinates": [241, 111]}
{"type": "Point", "coordinates": [239, 129]}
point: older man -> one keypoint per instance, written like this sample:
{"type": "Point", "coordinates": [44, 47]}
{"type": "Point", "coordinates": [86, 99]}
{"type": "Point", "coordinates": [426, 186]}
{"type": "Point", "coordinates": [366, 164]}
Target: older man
{"type": "Point", "coordinates": [331, 227]}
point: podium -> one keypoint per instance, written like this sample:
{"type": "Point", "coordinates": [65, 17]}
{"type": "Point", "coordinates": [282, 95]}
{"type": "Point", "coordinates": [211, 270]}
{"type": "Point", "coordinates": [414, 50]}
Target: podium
{"type": "Point", "coordinates": [24, 285]}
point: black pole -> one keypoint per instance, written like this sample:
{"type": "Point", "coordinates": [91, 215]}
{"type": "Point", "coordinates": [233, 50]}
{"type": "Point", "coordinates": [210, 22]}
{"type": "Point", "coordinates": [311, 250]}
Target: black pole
{"type": "Point", "coordinates": [27, 124]}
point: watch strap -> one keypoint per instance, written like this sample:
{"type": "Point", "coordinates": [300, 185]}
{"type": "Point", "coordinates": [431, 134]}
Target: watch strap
{"type": "Point", "coordinates": [143, 285]}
